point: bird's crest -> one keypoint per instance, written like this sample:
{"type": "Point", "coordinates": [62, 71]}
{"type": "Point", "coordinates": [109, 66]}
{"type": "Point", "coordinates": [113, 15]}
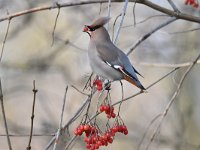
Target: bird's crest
{"type": "Point", "coordinates": [100, 22]}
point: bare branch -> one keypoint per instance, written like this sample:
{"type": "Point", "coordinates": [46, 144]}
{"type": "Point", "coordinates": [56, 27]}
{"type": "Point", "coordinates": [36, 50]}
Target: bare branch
{"type": "Point", "coordinates": [56, 20]}
{"type": "Point", "coordinates": [185, 31]}
{"type": "Point", "coordinates": [79, 90]}
{"type": "Point", "coordinates": [109, 10]}
{"type": "Point", "coordinates": [122, 20]}
{"type": "Point", "coordinates": [61, 120]}
{"type": "Point", "coordinates": [173, 98]}
{"type": "Point", "coordinates": [142, 21]}
{"type": "Point", "coordinates": [147, 129]}
{"type": "Point", "coordinates": [4, 41]}
{"type": "Point", "coordinates": [168, 65]}
{"type": "Point", "coordinates": [32, 116]}
{"type": "Point", "coordinates": [71, 120]}
{"type": "Point", "coordinates": [178, 15]}
{"type": "Point", "coordinates": [4, 117]}
{"type": "Point", "coordinates": [26, 135]}
{"type": "Point", "coordinates": [173, 5]}
{"type": "Point", "coordinates": [113, 28]}
{"type": "Point", "coordinates": [150, 33]}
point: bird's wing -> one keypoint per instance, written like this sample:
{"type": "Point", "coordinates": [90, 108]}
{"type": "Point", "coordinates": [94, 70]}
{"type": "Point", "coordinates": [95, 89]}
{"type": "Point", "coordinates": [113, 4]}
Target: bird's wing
{"type": "Point", "coordinates": [116, 59]}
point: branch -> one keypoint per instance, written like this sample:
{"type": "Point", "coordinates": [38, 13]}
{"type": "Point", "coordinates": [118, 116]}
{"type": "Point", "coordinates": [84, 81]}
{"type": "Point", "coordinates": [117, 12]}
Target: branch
{"type": "Point", "coordinates": [164, 114]}
{"type": "Point", "coordinates": [59, 132]}
{"type": "Point", "coordinates": [122, 20]}
{"type": "Point", "coordinates": [109, 10]}
{"type": "Point", "coordinates": [168, 65]}
{"type": "Point", "coordinates": [164, 10]}
{"type": "Point", "coordinates": [150, 33]}
{"type": "Point", "coordinates": [173, 6]}
{"type": "Point", "coordinates": [4, 117]}
{"type": "Point", "coordinates": [54, 27]}
{"type": "Point", "coordinates": [32, 116]}
{"type": "Point", "coordinates": [4, 41]}
{"type": "Point", "coordinates": [71, 120]}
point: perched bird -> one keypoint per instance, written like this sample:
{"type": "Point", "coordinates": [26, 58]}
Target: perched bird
{"type": "Point", "coordinates": [106, 60]}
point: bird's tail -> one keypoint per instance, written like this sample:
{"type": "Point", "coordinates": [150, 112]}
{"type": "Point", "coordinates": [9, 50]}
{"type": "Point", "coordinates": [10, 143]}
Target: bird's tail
{"type": "Point", "coordinates": [134, 82]}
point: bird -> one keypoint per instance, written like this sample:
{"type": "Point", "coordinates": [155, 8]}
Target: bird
{"type": "Point", "coordinates": [106, 59]}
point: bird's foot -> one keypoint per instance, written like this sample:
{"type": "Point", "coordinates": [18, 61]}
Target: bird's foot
{"type": "Point", "coordinates": [107, 85]}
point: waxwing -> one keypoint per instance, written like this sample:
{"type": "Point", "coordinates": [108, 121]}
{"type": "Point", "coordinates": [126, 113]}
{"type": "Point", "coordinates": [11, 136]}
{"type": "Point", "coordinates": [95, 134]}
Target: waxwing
{"type": "Point", "coordinates": [106, 60]}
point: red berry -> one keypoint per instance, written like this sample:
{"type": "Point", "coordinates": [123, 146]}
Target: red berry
{"type": "Point", "coordinates": [114, 129]}
{"type": "Point", "coordinates": [99, 143]}
{"type": "Point", "coordinates": [126, 132]}
{"type": "Point", "coordinates": [108, 135]}
{"type": "Point", "coordinates": [94, 139]}
{"type": "Point", "coordinates": [124, 128]}
{"type": "Point", "coordinates": [113, 115]}
{"type": "Point", "coordinates": [79, 132]}
{"type": "Point", "coordinates": [99, 88]}
{"type": "Point", "coordinates": [86, 140]}
{"type": "Point", "coordinates": [104, 137]}
{"type": "Point", "coordinates": [81, 127]}
{"type": "Point", "coordinates": [96, 146]}
{"type": "Point", "coordinates": [76, 132]}
{"type": "Point", "coordinates": [87, 133]}
{"type": "Point", "coordinates": [92, 147]}
{"type": "Point", "coordinates": [101, 108]}
{"type": "Point", "coordinates": [88, 146]}
{"type": "Point", "coordinates": [86, 127]}
{"type": "Point", "coordinates": [110, 140]}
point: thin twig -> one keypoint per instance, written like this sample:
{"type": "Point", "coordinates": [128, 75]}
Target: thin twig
{"type": "Point", "coordinates": [71, 120]}
{"type": "Point", "coordinates": [185, 31]}
{"type": "Point", "coordinates": [63, 108]}
{"type": "Point", "coordinates": [120, 104]}
{"type": "Point", "coordinates": [79, 90]}
{"type": "Point", "coordinates": [4, 41]}
{"type": "Point", "coordinates": [150, 33]}
{"type": "Point", "coordinates": [146, 130]}
{"type": "Point", "coordinates": [134, 16]}
{"type": "Point", "coordinates": [61, 120]}
{"type": "Point", "coordinates": [25, 135]}
{"type": "Point", "coordinates": [173, 98]}
{"type": "Point", "coordinates": [88, 83]}
{"type": "Point", "coordinates": [167, 65]}
{"type": "Point", "coordinates": [144, 20]}
{"type": "Point", "coordinates": [173, 5]}
{"type": "Point", "coordinates": [122, 20]}
{"type": "Point", "coordinates": [4, 117]}
{"type": "Point", "coordinates": [54, 27]}
{"type": "Point", "coordinates": [109, 8]}
{"type": "Point", "coordinates": [32, 115]}
{"type": "Point", "coordinates": [113, 28]}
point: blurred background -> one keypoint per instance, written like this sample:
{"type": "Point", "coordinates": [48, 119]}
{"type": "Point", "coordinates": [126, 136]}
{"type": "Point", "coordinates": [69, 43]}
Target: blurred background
{"type": "Point", "coordinates": [29, 55]}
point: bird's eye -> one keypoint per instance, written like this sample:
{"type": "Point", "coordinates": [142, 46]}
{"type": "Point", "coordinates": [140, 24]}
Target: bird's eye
{"type": "Point", "coordinates": [92, 29]}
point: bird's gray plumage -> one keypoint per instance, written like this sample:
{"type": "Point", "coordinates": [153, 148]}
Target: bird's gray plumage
{"type": "Point", "coordinates": [106, 59]}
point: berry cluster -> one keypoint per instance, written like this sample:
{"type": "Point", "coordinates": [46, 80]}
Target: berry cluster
{"type": "Point", "coordinates": [119, 128]}
{"type": "Point", "coordinates": [85, 128]}
{"type": "Point", "coordinates": [109, 110]}
{"type": "Point", "coordinates": [193, 3]}
{"type": "Point", "coordinates": [98, 84]}
{"type": "Point", "coordinates": [94, 139]}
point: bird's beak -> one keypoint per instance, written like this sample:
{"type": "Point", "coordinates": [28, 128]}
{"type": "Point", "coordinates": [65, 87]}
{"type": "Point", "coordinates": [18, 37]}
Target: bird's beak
{"type": "Point", "coordinates": [85, 28]}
